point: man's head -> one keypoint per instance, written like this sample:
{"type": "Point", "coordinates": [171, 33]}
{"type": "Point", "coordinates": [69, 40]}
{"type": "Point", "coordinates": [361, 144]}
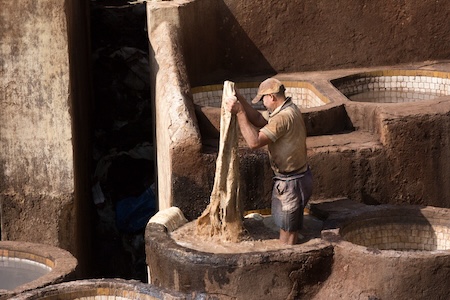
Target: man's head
{"type": "Point", "coordinates": [270, 86]}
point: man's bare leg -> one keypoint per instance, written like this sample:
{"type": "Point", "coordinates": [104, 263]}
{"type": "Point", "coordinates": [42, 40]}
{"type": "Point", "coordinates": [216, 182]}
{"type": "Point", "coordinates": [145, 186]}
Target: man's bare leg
{"type": "Point", "coordinates": [288, 237]}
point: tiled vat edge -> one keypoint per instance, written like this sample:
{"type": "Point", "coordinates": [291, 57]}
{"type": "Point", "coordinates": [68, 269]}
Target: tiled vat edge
{"type": "Point", "coordinates": [358, 226]}
{"type": "Point", "coordinates": [303, 93]}
{"type": "Point", "coordinates": [28, 256]}
{"type": "Point", "coordinates": [410, 80]}
{"type": "Point", "coordinates": [365, 268]}
{"type": "Point", "coordinates": [102, 289]}
{"type": "Point", "coordinates": [62, 263]}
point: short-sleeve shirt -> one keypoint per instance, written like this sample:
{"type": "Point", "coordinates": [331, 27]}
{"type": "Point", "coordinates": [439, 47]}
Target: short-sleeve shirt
{"type": "Point", "coordinates": [286, 129]}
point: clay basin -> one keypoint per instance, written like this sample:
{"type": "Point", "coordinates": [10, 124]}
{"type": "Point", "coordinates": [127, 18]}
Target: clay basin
{"type": "Point", "coordinates": [27, 266]}
{"type": "Point", "coordinates": [103, 289]}
{"type": "Point", "coordinates": [394, 86]}
{"type": "Point", "coordinates": [391, 252]}
{"type": "Point", "coordinates": [321, 114]}
{"type": "Point", "coordinates": [303, 93]}
{"type": "Point", "coordinates": [234, 273]}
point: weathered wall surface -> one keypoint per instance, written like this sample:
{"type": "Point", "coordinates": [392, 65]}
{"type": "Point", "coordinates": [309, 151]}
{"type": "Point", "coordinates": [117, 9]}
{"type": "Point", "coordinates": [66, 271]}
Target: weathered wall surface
{"type": "Point", "coordinates": [37, 173]}
{"type": "Point", "coordinates": [260, 37]}
{"type": "Point", "coordinates": [36, 139]}
{"type": "Point", "coordinates": [418, 151]}
{"type": "Point", "coordinates": [177, 136]}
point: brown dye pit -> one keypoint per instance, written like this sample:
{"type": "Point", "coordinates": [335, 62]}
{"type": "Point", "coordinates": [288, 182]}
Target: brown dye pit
{"type": "Point", "coordinates": [187, 263]}
{"type": "Point", "coordinates": [261, 234]}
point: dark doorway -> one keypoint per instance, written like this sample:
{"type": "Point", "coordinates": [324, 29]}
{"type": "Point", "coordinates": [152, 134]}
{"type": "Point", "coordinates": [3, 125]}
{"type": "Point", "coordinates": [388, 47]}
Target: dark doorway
{"type": "Point", "coordinates": [123, 183]}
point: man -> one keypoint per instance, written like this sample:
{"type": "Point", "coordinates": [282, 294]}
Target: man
{"type": "Point", "coordinates": [284, 133]}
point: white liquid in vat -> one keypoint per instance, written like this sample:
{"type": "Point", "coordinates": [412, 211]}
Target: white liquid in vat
{"type": "Point", "coordinates": [392, 96]}
{"type": "Point", "coordinates": [15, 272]}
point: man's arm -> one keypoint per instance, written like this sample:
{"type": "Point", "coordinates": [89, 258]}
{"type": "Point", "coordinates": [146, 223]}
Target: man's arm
{"type": "Point", "coordinates": [254, 138]}
{"type": "Point", "coordinates": [253, 115]}
{"type": "Point", "coordinates": [249, 122]}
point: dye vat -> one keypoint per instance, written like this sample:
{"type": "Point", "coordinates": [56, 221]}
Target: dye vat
{"type": "Point", "coordinates": [15, 272]}
{"type": "Point", "coordinates": [27, 266]}
{"type": "Point", "coordinates": [100, 289]}
{"type": "Point", "coordinates": [399, 233]}
{"type": "Point", "coordinates": [303, 94]}
{"type": "Point", "coordinates": [394, 86]}
{"type": "Point", "coordinates": [262, 271]}
{"type": "Point", "coordinates": [389, 252]}
{"type": "Point", "coordinates": [321, 115]}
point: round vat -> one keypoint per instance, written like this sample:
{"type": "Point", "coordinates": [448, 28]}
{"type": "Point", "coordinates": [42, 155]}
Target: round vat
{"type": "Point", "coordinates": [292, 272]}
{"type": "Point", "coordinates": [103, 289]}
{"type": "Point", "coordinates": [394, 86]}
{"type": "Point", "coordinates": [399, 232]}
{"type": "Point", "coordinates": [27, 266]}
{"type": "Point", "coordinates": [391, 252]}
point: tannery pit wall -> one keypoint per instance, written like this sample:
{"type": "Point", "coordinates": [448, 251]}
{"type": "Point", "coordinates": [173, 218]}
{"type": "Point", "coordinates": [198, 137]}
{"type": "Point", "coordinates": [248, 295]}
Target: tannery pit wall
{"type": "Point", "coordinates": [381, 161]}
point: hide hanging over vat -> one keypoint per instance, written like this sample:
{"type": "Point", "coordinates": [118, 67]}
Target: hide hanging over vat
{"type": "Point", "coordinates": [223, 216]}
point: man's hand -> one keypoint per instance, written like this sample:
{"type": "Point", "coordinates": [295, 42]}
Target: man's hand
{"type": "Point", "coordinates": [233, 105]}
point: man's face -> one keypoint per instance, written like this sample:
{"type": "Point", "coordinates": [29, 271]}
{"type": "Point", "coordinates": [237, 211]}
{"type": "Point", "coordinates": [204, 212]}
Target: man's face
{"type": "Point", "coordinates": [268, 102]}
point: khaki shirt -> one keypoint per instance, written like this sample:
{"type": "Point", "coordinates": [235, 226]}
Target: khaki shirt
{"type": "Point", "coordinates": [286, 129]}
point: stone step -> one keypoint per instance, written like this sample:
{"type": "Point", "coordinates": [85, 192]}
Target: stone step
{"type": "Point", "coordinates": [352, 141]}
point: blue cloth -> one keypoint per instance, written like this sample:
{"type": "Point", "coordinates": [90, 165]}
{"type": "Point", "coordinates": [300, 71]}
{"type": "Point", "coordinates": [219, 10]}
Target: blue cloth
{"type": "Point", "coordinates": [133, 213]}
